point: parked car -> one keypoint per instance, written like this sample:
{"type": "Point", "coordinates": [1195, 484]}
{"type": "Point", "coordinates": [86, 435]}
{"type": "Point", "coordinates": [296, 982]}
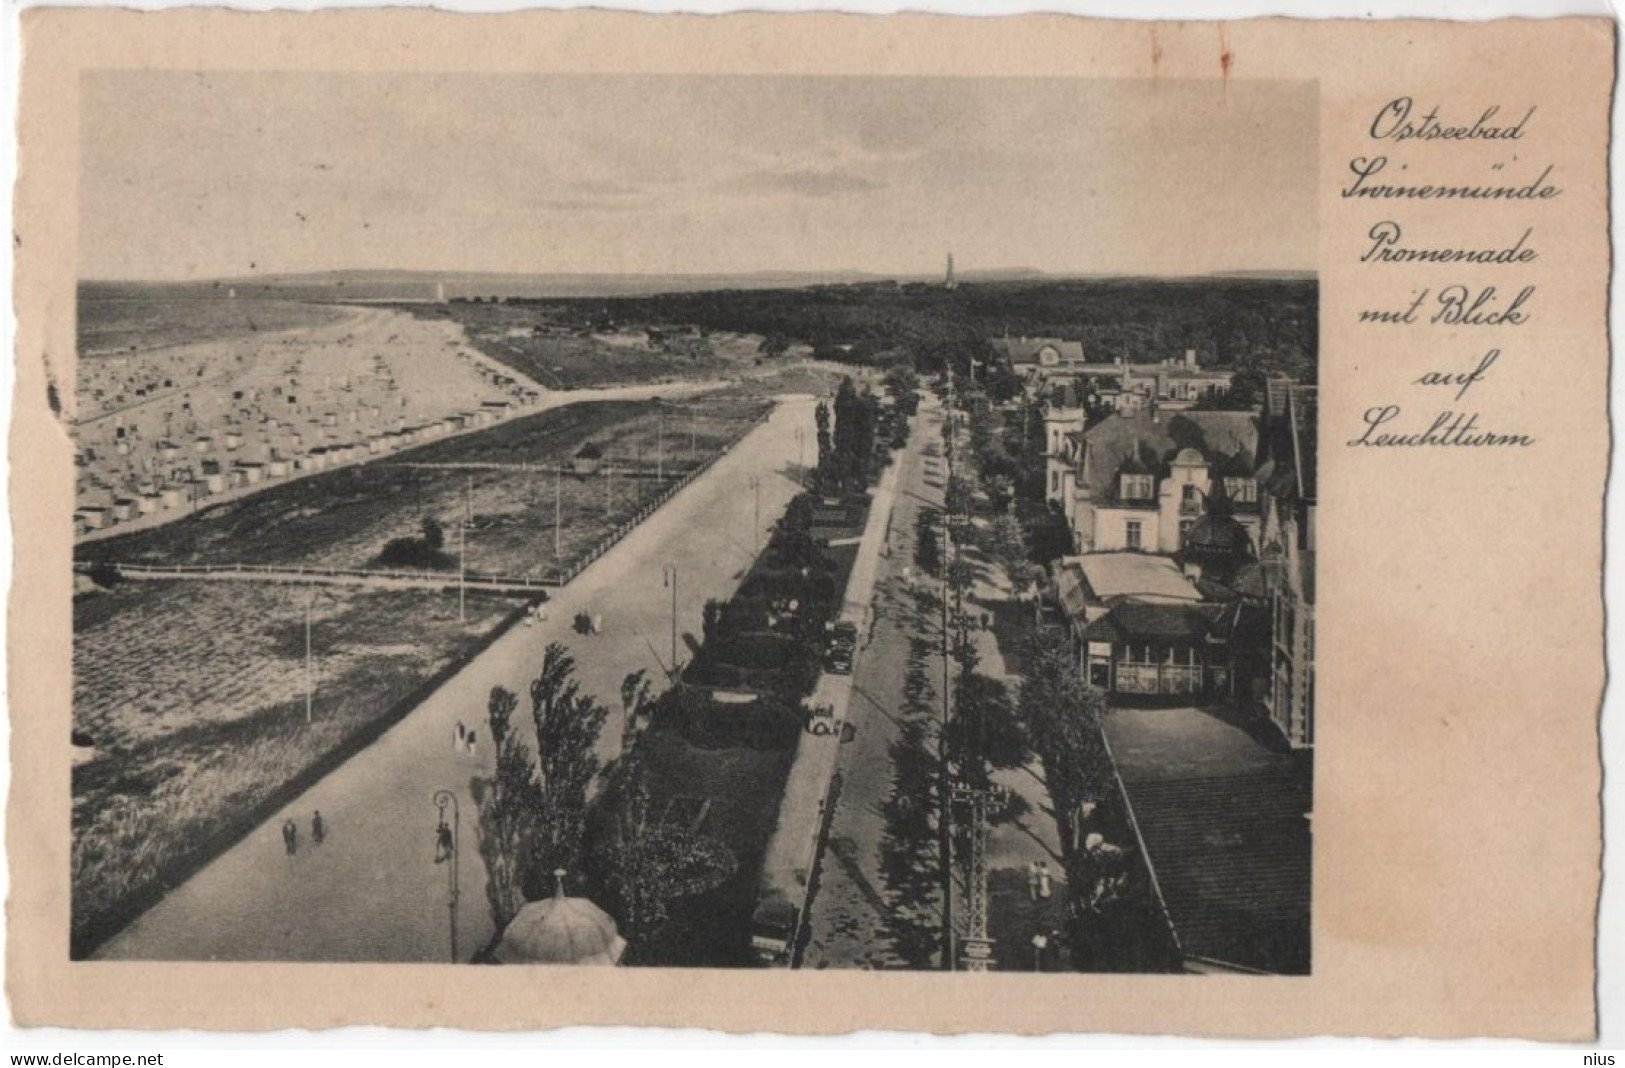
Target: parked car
{"type": "Point", "coordinates": [841, 647]}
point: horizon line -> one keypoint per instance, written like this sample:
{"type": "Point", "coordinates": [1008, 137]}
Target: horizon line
{"type": "Point", "coordinates": [430, 274]}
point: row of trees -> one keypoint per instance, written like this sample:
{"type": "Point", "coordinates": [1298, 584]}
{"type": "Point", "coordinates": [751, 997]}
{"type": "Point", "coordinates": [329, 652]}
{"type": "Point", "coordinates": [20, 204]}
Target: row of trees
{"type": "Point", "coordinates": [1055, 714]}
{"type": "Point", "coordinates": [1233, 322]}
{"type": "Point", "coordinates": [535, 809]}
{"type": "Point", "coordinates": [846, 440]}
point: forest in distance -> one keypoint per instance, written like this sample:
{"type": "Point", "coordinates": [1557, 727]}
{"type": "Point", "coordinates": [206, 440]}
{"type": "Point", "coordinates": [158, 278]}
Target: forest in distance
{"type": "Point", "coordinates": [1259, 324]}
{"type": "Point", "coordinates": [1267, 325]}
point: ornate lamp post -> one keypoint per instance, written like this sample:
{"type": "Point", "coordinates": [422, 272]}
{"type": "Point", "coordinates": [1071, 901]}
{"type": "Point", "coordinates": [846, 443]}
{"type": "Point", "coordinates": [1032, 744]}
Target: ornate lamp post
{"type": "Point", "coordinates": [445, 849]}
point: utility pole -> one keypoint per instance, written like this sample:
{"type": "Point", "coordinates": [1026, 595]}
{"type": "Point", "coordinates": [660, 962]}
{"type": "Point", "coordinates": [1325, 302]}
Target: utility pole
{"type": "Point", "coordinates": [801, 457]}
{"type": "Point", "coordinates": [462, 550]}
{"type": "Point", "coordinates": [558, 508]}
{"type": "Point", "coordinates": [693, 433]}
{"type": "Point", "coordinates": [660, 446]}
{"type": "Point", "coordinates": [978, 946]}
{"type": "Point", "coordinates": [944, 785]}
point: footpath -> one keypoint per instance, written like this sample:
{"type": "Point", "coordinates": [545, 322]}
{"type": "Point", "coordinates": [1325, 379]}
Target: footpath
{"type": "Point", "coordinates": [372, 891]}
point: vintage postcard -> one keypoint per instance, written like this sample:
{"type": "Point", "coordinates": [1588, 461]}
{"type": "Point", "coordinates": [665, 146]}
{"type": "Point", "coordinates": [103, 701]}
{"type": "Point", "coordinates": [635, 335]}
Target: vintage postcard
{"type": "Point", "coordinates": [588, 518]}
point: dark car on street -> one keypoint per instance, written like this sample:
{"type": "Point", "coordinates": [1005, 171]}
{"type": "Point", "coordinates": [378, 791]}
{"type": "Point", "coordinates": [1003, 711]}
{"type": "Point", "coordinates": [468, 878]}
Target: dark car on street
{"type": "Point", "coordinates": [843, 645]}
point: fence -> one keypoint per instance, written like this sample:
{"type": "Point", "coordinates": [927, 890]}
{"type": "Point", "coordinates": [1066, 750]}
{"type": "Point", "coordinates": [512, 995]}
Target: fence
{"type": "Point", "coordinates": [550, 578]}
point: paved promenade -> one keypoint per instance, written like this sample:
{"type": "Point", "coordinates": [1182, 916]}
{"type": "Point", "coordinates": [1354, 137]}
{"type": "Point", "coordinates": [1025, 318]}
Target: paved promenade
{"type": "Point", "coordinates": [371, 891]}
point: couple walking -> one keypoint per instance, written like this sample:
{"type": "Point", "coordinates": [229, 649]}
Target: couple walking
{"type": "Point", "coordinates": [290, 833]}
{"type": "Point", "coordinates": [463, 739]}
{"type": "Point", "coordinates": [1038, 880]}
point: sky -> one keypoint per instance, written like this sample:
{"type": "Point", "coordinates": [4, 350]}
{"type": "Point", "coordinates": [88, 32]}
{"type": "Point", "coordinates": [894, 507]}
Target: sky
{"type": "Point", "coordinates": [208, 175]}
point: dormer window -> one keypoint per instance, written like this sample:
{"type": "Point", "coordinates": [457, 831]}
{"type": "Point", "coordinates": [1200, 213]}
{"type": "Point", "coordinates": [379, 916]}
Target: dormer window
{"type": "Point", "coordinates": [1241, 489]}
{"type": "Point", "coordinates": [1136, 487]}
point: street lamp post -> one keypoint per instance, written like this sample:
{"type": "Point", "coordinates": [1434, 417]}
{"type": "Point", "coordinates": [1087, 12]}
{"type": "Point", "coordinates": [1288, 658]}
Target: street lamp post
{"type": "Point", "coordinates": [310, 658]}
{"type": "Point", "coordinates": [445, 850]}
{"type": "Point", "coordinates": [310, 668]}
{"type": "Point", "coordinates": [756, 528]}
{"type": "Point", "coordinates": [669, 578]}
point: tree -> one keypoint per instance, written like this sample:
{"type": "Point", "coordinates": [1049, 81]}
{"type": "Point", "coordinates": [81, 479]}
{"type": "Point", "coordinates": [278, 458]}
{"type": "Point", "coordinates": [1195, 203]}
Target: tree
{"type": "Point", "coordinates": [826, 445]}
{"type": "Point", "coordinates": [507, 812]}
{"type": "Point", "coordinates": [568, 723]}
{"type": "Point", "coordinates": [651, 864]}
{"type": "Point", "coordinates": [637, 706]}
{"type": "Point", "coordinates": [904, 385]}
{"type": "Point", "coordinates": [711, 621]}
{"type": "Point", "coordinates": [957, 497]}
{"type": "Point", "coordinates": [434, 535]}
{"type": "Point", "coordinates": [1062, 714]}
{"type": "Point", "coordinates": [983, 732]}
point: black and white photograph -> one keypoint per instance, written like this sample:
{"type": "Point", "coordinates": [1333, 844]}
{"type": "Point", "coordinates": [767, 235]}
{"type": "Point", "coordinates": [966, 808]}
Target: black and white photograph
{"type": "Point", "coordinates": [736, 521]}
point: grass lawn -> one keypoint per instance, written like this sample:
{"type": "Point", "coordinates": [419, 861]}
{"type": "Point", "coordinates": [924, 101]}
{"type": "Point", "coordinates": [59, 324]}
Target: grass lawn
{"type": "Point", "coordinates": [343, 518]}
{"type": "Point", "coordinates": [194, 695]}
{"type": "Point", "coordinates": [743, 787]}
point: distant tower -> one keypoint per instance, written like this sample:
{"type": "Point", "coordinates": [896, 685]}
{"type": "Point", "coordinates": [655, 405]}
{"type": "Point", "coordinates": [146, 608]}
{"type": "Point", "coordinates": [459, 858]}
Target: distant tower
{"type": "Point", "coordinates": [949, 282]}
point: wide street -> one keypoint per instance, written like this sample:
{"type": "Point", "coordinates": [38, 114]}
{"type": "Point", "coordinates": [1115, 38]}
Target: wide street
{"type": "Point", "coordinates": [878, 902]}
{"type": "Point", "coordinates": [371, 891]}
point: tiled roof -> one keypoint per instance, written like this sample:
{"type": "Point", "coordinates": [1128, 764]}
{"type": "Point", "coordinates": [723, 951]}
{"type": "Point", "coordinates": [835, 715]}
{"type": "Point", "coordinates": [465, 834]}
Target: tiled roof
{"type": "Point", "coordinates": [1221, 437]}
{"type": "Point", "coordinates": [1156, 622]}
{"type": "Point", "coordinates": [1224, 820]}
{"type": "Point", "coordinates": [1024, 350]}
{"type": "Point", "coordinates": [1232, 860]}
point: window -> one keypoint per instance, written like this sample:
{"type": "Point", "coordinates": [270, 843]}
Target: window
{"type": "Point", "coordinates": [1131, 533]}
{"type": "Point", "coordinates": [1241, 489]}
{"type": "Point", "coordinates": [1136, 487]}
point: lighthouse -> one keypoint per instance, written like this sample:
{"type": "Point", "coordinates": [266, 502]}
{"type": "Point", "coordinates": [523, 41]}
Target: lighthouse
{"type": "Point", "coordinates": [948, 281]}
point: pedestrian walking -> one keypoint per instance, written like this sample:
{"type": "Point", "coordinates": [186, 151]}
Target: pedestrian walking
{"type": "Point", "coordinates": [598, 624]}
{"type": "Point", "coordinates": [1032, 880]}
{"type": "Point", "coordinates": [1040, 943]}
{"type": "Point", "coordinates": [470, 743]}
{"type": "Point", "coordinates": [461, 737]}
{"type": "Point", "coordinates": [1043, 880]}
{"type": "Point", "coordinates": [290, 837]}
{"type": "Point", "coordinates": [318, 830]}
